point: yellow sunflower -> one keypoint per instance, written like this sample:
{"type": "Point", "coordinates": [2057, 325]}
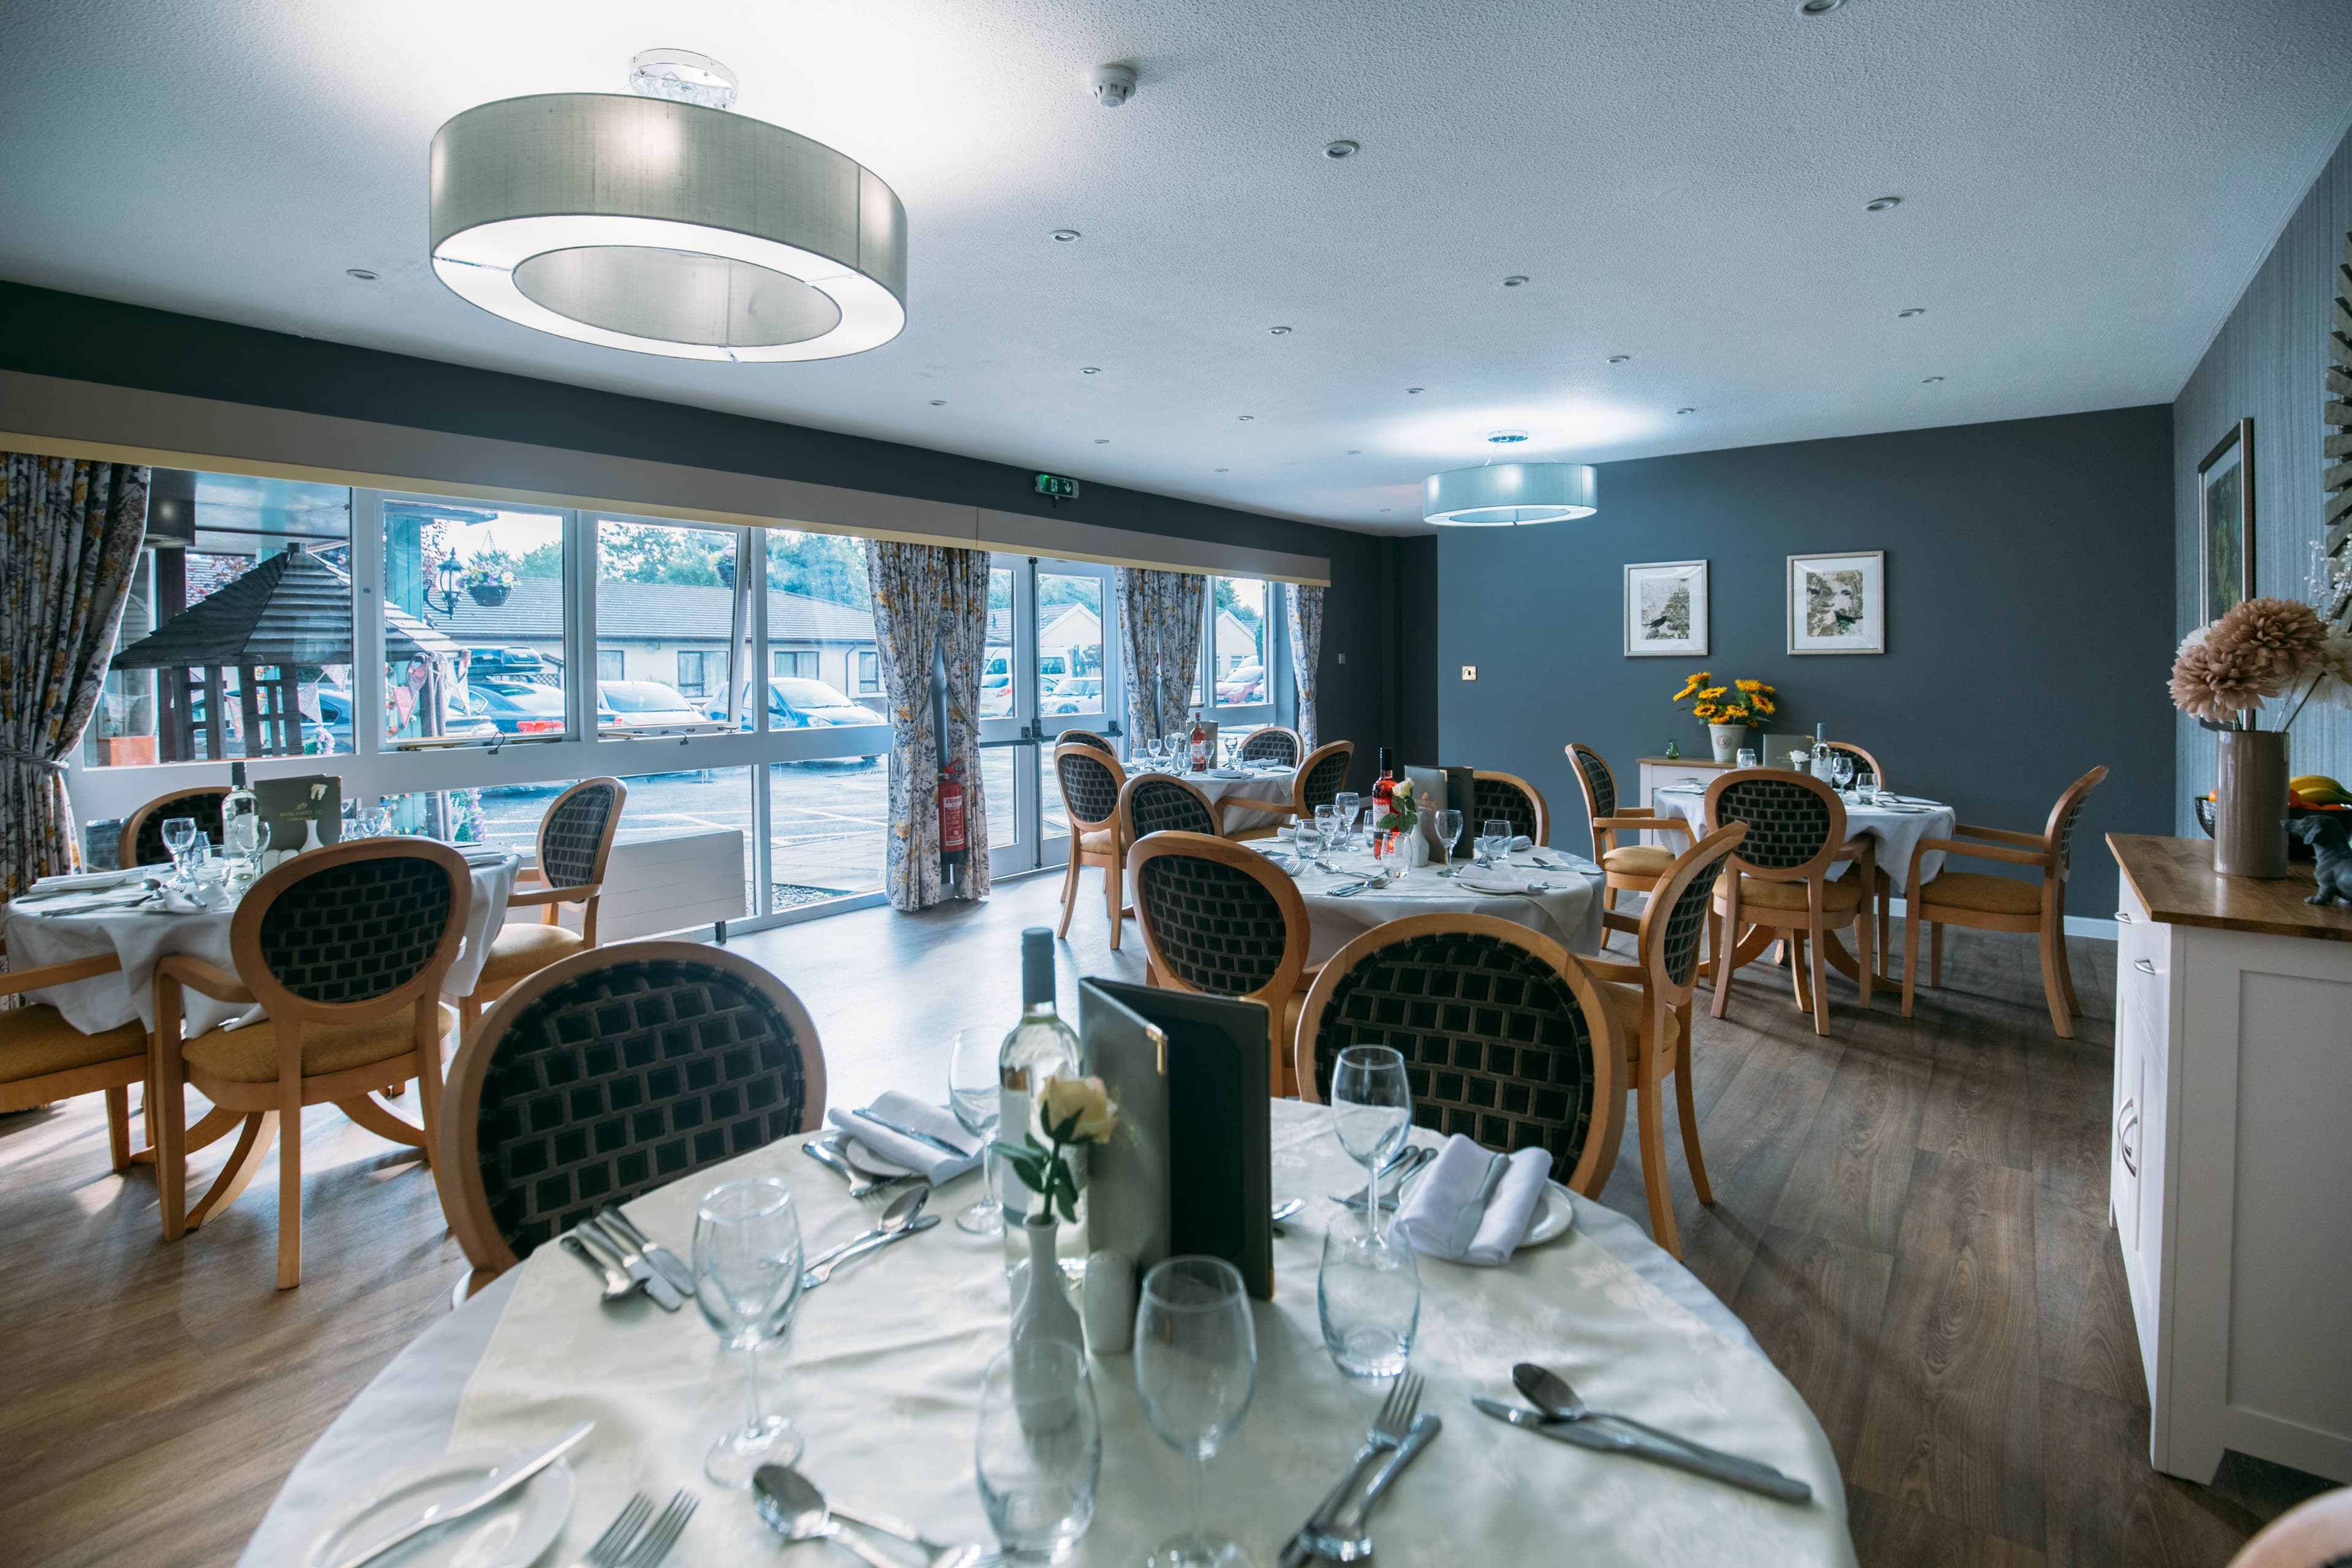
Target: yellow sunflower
{"type": "Point", "coordinates": [1692, 684]}
{"type": "Point", "coordinates": [1749, 686]}
{"type": "Point", "coordinates": [1702, 711]}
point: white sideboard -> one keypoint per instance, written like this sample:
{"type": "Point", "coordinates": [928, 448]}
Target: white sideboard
{"type": "Point", "coordinates": [2230, 1159]}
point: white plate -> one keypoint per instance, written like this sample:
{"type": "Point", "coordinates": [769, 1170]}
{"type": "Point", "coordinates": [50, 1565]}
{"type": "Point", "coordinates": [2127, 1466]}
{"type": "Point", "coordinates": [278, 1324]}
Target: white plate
{"type": "Point", "coordinates": [1553, 1216]}
{"type": "Point", "coordinates": [865, 1161]}
{"type": "Point", "coordinates": [510, 1533]}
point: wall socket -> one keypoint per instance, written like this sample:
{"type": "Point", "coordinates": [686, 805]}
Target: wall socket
{"type": "Point", "coordinates": [1469, 672]}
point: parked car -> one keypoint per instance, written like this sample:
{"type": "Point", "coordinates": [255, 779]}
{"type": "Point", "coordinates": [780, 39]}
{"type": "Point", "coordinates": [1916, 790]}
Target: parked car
{"type": "Point", "coordinates": [1074, 694]}
{"type": "Point", "coordinates": [644, 705]}
{"type": "Point", "coordinates": [1245, 683]}
{"type": "Point", "coordinates": [465, 721]}
{"type": "Point", "coordinates": [523, 663]}
{"type": "Point", "coordinates": [796, 702]}
{"type": "Point", "coordinates": [519, 706]}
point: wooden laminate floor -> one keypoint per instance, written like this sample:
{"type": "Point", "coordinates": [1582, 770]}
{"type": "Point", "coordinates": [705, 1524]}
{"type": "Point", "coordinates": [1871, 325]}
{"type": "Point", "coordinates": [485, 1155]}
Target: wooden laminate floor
{"type": "Point", "coordinates": [1911, 1218]}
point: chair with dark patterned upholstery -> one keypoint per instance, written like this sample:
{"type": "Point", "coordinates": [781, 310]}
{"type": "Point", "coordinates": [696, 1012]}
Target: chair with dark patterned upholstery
{"type": "Point", "coordinates": [142, 831]}
{"type": "Point", "coordinates": [1505, 1038]}
{"type": "Point", "coordinates": [1318, 780]}
{"type": "Point", "coordinates": [1273, 745]}
{"type": "Point", "coordinates": [1161, 802]}
{"type": "Point", "coordinates": [575, 840]}
{"type": "Point", "coordinates": [346, 947]}
{"type": "Point", "coordinates": [1864, 762]}
{"type": "Point", "coordinates": [1796, 832]}
{"type": "Point", "coordinates": [1222, 919]}
{"type": "Point", "coordinates": [1084, 738]}
{"type": "Point", "coordinates": [1633, 867]}
{"type": "Point", "coordinates": [1507, 797]}
{"type": "Point", "coordinates": [1652, 998]}
{"type": "Point", "coordinates": [43, 1059]}
{"type": "Point", "coordinates": [1982, 902]}
{"type": "Point", "coordinates": [1091, 781]}
{"type": "Point", "coordinates": [610, 1073]}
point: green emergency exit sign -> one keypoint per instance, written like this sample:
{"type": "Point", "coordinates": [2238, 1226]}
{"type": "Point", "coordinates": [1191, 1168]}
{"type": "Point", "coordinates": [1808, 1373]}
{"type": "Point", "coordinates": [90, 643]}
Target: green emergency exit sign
{"type": "Point", "coordinates": [1058, 487]}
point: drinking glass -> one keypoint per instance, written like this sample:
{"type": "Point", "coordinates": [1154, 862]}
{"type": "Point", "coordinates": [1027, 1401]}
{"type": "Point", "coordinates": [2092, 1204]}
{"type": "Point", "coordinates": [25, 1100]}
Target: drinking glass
{"type": "Point", "coordinates": [747, 1278]}
{"type": "Point", "coordinates": [1158, 748]}
{"type": "Point", "coordinates": [1866, 787]}
{"type": "Point", "coordinates": [1496, 831]}
{"type": "Point", "coordinates": [1369, 1295]}
{"type": "Point", "coordinates": [1449, 834]}
{"type": "Point", "coordinates": [1196, 1369]}
{"type": "Point", "coordinates": [1349, 805]}
{"type": "Point", "coordinates": [1326, 823]}
{"type": "Point", "coordinates": [179, 832]}
{"type": "Point", "coordinates": [1039, 1449]}
{"type": "Point", "coordinates": [1306, 839]}
{"type": "Point", "coordinates": [1371, 1108]}
{"type": "Point", "coordinates": [1746, 756]}
{"type": "Point", "coordinates": [974, 1093]}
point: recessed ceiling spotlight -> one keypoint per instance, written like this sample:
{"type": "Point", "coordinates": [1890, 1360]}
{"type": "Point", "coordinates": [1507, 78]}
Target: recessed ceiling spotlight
{"type": "Point", "coordinates": [1412, 389]}
{"type": "Point", "coordinates": [1279, 332]}
{"type": "Point", "coordinates": [1066, 234]}
{"type": "Point", "coordinates": [1224, 470]}
{"type": "Point", "coordinates": [1245, 418]}
{"type": "Point", "coordinates": [1507, 438]}
{"type": "Point", "coordinates": [1515, 280]}
{"type": "Point", "coordinates": [938, 402]}
{"type": "Point", "coordinates": [1818, 7]}
{"type": "Point", "coordinates": [1355, 451]}
{"type": "Point", "coordinates": [1387, 508]}
{"type": "Point", "coordinates": [1914, 310]}
{"type": "Point", "coordinates": [1335, 151]}
{"type": "Point", "coordinates": [1619, 359]}
{"type": "Point", "coordinates": [1685, 410]}
{"type": "Point", "coordinates": [1089, 369]}
{"type": "Point", "coordinates": [1102, 440]}
{"type": "Point", "coordinates": [362, 273]}
{"type": "Point", "coordinates": [1880, 204]}
{"type": "Point", "coordinates": [1931, 381]}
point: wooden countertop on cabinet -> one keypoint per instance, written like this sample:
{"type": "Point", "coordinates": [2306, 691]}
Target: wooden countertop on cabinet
{"type": "Point", "coordinates": [2178, 885]}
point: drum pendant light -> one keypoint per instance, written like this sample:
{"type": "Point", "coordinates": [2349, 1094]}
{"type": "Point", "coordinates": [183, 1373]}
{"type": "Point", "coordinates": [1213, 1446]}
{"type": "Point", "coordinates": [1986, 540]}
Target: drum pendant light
{"type": "Point", "coordinates": [1501, 495]}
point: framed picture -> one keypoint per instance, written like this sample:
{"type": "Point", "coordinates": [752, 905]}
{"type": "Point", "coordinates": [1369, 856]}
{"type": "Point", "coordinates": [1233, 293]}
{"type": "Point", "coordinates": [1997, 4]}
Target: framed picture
{"type": "Point", "coordinates": [1837, 603]}
{"type": "Point", "coordinates": [2225, 524]}
{"type": "Point", "coordinates": [1666, 609]}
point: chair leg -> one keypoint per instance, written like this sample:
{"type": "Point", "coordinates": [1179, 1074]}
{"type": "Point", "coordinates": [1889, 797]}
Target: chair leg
{"type": "Point", "coordinates": [1114, 897]}
{"type": "Point", "coordinates": [2053, 985]}
{"type": "Point", "coordinates": [2067, 968]}
{"type": "Point", "coordinates": [118, 1126]}
{"type": "Point", "coordinates": [1911, 923]}
{"type": "Point", "coordinates": [167, 1103]}
{"type": "Point", "coordinates": [1886, 931]}
{"type": "Point", "coordinates": [1727, 956]}
{"type": "Point", "coordinates": [1936, 956]}
{"type": "Point", "coordinates": [1687, 1109]}
{"type": "Point", "coordinates": [1649, 1113]}
{"type": "Point", "coordinates": [1796, 946]}
{"type": "Point", "coordinates": [289, 1184]}
{"type": "Point", "coordinates": [1866, 971]}
{"type": "Point", "coordinates": [254, 1134]}
{"type": "Point", "coordinates": [1821, 939]}
{"type": "Point", "coordinates": [1069, 894]}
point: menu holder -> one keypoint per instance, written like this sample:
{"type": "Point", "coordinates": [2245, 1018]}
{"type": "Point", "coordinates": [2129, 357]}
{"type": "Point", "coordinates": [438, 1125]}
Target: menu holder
{"type": "Point", "coordinates": [1191, 1170]}
{"type": "Point", "coordinates": [1442, 789]}
{"type": "Point", "coordinates": [289, 806]}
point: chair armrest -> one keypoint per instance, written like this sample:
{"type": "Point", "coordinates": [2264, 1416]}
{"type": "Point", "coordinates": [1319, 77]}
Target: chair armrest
{"type": "Point", "coordinates": [1637, 811]}
{"type": "Point", "coordinates": [579, 894]}
{"type": "Point", "coordinates": [1609, 969]}
{"type": "Point", "coordinates": [1981, 852]}
{"type": "Point", "coordinates": [1642, 824]}
{"type": "Point", "coordinates": [199, 975]}
{"type": "Point", "coordinates": [16, 980]}
{"type": "Point", "coordinates": [1999, 836]}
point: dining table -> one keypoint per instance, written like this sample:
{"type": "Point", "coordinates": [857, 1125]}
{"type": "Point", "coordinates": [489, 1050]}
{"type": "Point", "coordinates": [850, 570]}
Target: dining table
{"type": "Point", "coordinates": [1560, 893]}
{"type": "Point", "coordinates": [1897, 822]}
{"type": "Point", "coordinates": [1250, 796]}
{"type": "Point", "coordinates": [881, 1372]}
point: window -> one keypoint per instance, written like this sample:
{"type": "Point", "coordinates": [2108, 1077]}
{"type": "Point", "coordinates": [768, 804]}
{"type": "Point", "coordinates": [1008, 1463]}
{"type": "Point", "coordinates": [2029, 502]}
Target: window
{"type": "Point", "coordinates": [1238, 650]}
{"type": "Point", "coordinates": [996, 657]}
{"type": "Point", "coordinates": [869, 672]}
{"type": "Point", "coordinates": [701, 673]}
{"type": "Point", "coordinates": [669, 591]}
{"type": "Point", "coordinates": [611, 664]}
{"type": "Point", "coordinates": [1070, 647]}
{"type": "Point", "coordinates": [791, 661]}
{"type": "Point", "coordinates": [473, 623]}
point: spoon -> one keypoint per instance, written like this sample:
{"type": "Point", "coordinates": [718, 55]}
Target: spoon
{"type": "Point", "coordinates": [795, 1510]}
{"type": "Point", "coordinates": [895, 1219]}
{"type": "Point", "coordinates": [1550, 1393]}
{"type": "Point", "coordinates": [1284, 1211]}
{"type": "Point", "coordinates": [616, 1284]}
{"type": "Point", "coordinates": [780, 1487]}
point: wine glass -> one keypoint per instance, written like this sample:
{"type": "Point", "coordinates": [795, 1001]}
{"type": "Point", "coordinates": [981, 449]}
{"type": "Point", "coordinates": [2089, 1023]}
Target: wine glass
{"type": "Point", "coordinates": [1348, 804]}
{"type": "Point", "coordinates": [1449, 834]}
{"type": "Point", "coordinates": [1371, 1109]}
{"type": "Point", "coordinates": [1746, 756]}
{"type": "Point", "coordinates": [974, 1093]}
{"type": "Point", "coordinates": [1326, 823]}
{"type": "Point", "coordinates": [178, 833]}
{"type": "Point", "coordinates": [1495, 833]}
{"type": "Point", "coordinates": [1157, 750]}
{"type": "Point", "coordinates": [1841, 771]}
{"type": "Point", "coordinates": [1307, 840]}
{"type": "Point", "coordinates": [747, 1278]}
{"type": "Point", "coordinates": [1196, 1369]}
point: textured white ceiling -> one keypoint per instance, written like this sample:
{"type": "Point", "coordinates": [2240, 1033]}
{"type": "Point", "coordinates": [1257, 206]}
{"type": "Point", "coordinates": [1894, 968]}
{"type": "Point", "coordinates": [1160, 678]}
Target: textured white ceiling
{"type": "Point", "coordinates": [2086, 187]}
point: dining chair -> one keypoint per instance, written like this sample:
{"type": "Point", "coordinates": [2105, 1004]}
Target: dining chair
{"type": "Point", "coordinates": [1796, 832]}
{"type": "Point", "coordinates": [1884, 893]}
{"type": "Point", "coordinates": [1091, 781]}
{"type": "Point", "coordinates": [1163, 803]}
{"type": "Point", "coordinates": [1085, 738]}
{"type": "Point", "coordinates": [1861, 759]}
{"type": "Point", "coordinates": [1225, 920]}
{"type": "Point", "coordinates": [43, 1059]}
{"type": "Point", "coordinates": [142, 843]}
{"type": "Point", "coordinates": [346, 947]}
{"type": "Point", "coordinates": [1624, 868]}
{"type": "Point", "coordinates": [576, 841]}
{"type": "Point", "coordinates": [1507, 797]}
{"type": "Point", "coordinates": [1505, 1037]}
{"type": "Point", "coordinates": [1652, 999]}
{"type": "Point", "coordinates": [610, 1073]}
{"type": "Point", "coordinates": [1979, 902]}
{"type": "Point", "coordinates": [1320, 776]}
{"type": "Point", "coordinates": [1273, 745]}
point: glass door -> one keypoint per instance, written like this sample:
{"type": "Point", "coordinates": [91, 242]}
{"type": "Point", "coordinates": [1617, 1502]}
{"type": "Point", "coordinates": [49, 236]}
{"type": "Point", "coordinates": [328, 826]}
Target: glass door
{"type": "Point", "coordinates": [1051, 664]}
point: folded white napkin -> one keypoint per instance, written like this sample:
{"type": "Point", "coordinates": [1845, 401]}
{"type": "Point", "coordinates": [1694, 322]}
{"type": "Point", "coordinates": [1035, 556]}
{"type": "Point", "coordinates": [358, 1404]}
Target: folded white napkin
{"type": "Point", "coordinates": [98, 902]}
{"type": "Point", "coordinates": [913, 1153]}
{"type": "Point", "coordinates": [1428, 1217]}
{"type": "Point", "coordinates": [1522, 842]}
{"type": "Point", "coordinates": [1498, 880]}
{"type": "Point", "coordinates": [84, 882]}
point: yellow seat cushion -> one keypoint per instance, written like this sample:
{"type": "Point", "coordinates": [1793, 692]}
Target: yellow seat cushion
{"type": "Point", "coordinates": [1840, 897]}
{"type": "Point", "coordinates": [526, 948]}
{"type": "Point", "coordinates": [37, 1041]}
{"type": "Point", "coordinates": [1984, 893]}
{"type": "Point", "coordinates": [1097, 842]}
{"type": "Point", "coordinates": [1626, 1002]}
{"type": "Point", "coordinates": [1639, 860]}
{"type": "Point", "coordinates": [250, 1055]}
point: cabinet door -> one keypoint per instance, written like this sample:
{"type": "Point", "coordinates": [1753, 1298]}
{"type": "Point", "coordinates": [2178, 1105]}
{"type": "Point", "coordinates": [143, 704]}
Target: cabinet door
{"type": "Point", "coordinates": [2124, 1138]}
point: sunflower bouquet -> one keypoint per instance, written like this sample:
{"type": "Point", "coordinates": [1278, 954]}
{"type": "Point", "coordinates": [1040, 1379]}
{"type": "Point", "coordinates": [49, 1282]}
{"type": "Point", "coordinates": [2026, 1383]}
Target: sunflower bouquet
{"type": "Point", "coordinates": [1744, 702]}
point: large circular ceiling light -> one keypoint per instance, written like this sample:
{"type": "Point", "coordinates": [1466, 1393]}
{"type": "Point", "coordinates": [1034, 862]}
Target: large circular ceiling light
{"type": "Point", "coordinates": [668, 226]}
{"type": "Point", "coordinates": [1503, 495]}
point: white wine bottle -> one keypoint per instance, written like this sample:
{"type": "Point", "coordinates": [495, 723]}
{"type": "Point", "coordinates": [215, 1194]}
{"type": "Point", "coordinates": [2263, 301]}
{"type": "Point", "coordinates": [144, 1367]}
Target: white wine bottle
{"type": "Point", "coordinates": [1040, 1047]}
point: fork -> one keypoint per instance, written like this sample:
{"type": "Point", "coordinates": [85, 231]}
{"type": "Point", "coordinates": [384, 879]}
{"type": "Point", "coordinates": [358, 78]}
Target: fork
{"type": "Point", "coordinates": [1387, 1432]}
{"type": "Point", "coordinates": [606, 1552]}
{"type": "Point", "coordinates": [662, 1535]}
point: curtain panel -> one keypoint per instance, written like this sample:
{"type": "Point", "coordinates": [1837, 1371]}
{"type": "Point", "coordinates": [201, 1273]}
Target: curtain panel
{"type": "Point", "coordinates": [69, 538]}
{"type": "Point", "coordinates": [1305, 606]}
{"type": "Point", "coordinates": [1159, 620]}
{"type": "Point", "coordinates": [930, 607]}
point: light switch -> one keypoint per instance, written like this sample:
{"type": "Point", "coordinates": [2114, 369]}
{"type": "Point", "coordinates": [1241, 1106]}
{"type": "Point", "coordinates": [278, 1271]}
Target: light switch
{"type": "Point", "coordinates": [1469, 672]}
{"type": "Point", "coordinates": [1343, 658]}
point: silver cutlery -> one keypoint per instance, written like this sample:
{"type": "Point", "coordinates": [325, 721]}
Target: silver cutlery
{"type": "Point", "coordinates": [608, 1549]}
{"type": "Point", "coordinates": [796, 1510]}
{"type": "Point", "coordinates": [668, 1264]}
{"type": "Point", "coordinates": [902, 1213]}
{"type": "Point", "coordinates": [1284, 1211]}
{"type": "Point", "coordinates": [1345, 1540]}
{"type": "Point", "coordinates": [1404, 1167]}
{"type": "Point", "coordinates": [823, 1271]}
{"type": "Point", "coordinates": [1474, 1213]}
{"type": "Point", "coordinates": [827, 1153]}
{"type": "Point", "coordinates": [631, 1262]}
{"type": "Point", "coordinates": [782, 1492]}
{"type": "Point", "coordinates": [1552, 1393]}
{"type": "Point", "coordinates": [1387, 1432]}
{"type": "Point", "coordinates": [505, 1481]}
{"type": "Point", "coordinates": [662, 1535]}
{"type": "Point", "coordinates": [617, 1283]}
{"type": "Point", "coordinates": [1581, 1435]}
{"type": "Point", "coordinates": [928, 1140]}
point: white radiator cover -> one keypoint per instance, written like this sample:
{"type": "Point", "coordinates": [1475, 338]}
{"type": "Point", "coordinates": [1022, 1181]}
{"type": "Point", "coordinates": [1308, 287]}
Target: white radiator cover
{"type": "Point", "coordinates": [656, 886]}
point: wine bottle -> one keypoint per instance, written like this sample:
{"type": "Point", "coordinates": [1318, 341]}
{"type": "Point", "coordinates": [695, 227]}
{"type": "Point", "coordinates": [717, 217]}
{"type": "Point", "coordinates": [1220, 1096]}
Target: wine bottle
{"type": "Point", "coordinates": [1384, 788]}
{"type": "Point", "coordinates": [1199, 744]}
{"type": "Point", "coordinates": [240, 815]}
{"type": "Point", "coordinates": [1040, 1047]}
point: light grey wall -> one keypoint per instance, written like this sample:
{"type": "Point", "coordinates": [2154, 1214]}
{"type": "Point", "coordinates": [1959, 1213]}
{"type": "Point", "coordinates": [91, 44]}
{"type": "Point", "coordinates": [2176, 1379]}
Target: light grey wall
{"type": "Point", "coordinates": [2268, 362]}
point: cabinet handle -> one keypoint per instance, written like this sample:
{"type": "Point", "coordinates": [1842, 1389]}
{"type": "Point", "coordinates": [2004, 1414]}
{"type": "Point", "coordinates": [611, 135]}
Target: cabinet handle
{"type": "Point", "coordinates": [2125, 1125]}
{"type": "Point", "coordinates": [2125, 917]}
{"type": "Point", "coordinates": [2144, 965]}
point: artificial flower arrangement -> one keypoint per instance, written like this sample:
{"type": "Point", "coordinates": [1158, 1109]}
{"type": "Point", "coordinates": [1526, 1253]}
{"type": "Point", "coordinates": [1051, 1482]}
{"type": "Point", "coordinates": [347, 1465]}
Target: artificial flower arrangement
{"type": "Point", "coordinates": [493, 576]}
{"type": "Point", "coordinates": [1744, 702]}
{"type": "Point", "coordinates": [2260, 650]}
{"type": "Point", "coordinates": [1071, 1112]}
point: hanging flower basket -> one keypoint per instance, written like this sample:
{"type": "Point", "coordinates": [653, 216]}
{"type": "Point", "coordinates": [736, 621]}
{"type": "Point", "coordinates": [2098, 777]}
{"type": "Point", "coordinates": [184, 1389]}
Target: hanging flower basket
{"type": "Point", "coordinates": [489, 595]}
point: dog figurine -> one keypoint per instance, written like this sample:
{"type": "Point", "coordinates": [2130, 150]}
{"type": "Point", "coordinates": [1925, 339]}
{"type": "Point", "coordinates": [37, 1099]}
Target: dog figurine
{"type": "Point", "coordinates": [2329, 834]}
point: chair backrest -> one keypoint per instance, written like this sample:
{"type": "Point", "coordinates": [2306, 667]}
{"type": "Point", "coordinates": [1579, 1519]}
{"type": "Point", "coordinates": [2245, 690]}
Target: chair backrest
{"type": "Point", "coordinates": [1091, 781]}
{"type": "Point", "coordinates": [354, 930]}
{"type": "Point", "coordinates": [611, 1072]}
{"type": "Point", "coordinates": [1862, 760]}
{"type": "Point", "coordinates": [575, 837]}
{"type": "Point", "coordinates": [1511, 798]}
{"type": "Point", "coordinates": [1795, 822]}
{"type": "Point", "coordinates": [1505, 1036]}
{"type": "Point", "coordinates": [1674, 919]}
{"type": "Point", "coordinates": [2314, 1533]}
{"type": "Point", "coordinates": [1218, 917]}
{"type": "Point", "coordinates": [142, 843]}
{"type": "Point", "coordinates": [1085, 738]}
{"type": "Point", "coordinates": [2058, 834]}
{"type": "Point", "coordinates": [1321, 776]}
{"type": "Point", "coordinates": [1273, 745]}
{"type": "Point", "coordinates": [1600, 785]}
{"type": "Point", "coordinates": [1160, 802]}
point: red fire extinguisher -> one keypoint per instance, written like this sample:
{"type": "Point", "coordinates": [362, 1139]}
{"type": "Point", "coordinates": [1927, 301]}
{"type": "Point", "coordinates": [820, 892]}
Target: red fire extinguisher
{"type": "Point", "coordinates": [951, 839]}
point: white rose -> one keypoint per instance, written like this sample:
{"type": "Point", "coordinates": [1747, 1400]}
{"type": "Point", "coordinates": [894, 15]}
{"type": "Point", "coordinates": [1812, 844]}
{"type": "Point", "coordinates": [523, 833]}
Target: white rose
{"type": "Point", "coordinates": [1084, 1098]}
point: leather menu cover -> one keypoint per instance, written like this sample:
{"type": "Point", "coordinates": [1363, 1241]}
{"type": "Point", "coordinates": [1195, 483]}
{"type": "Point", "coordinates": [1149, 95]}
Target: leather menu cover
{"type": "Point", "coordinates": [289, 804]}
{"type": "Point", "coordinates": [1191, 1169]}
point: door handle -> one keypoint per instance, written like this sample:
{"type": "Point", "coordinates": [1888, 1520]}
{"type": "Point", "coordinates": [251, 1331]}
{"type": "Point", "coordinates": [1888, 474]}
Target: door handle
{"type": "Point", "coordinates": [2145, 966]}
{"type": "Point", "coordinates": [2127, 1123]}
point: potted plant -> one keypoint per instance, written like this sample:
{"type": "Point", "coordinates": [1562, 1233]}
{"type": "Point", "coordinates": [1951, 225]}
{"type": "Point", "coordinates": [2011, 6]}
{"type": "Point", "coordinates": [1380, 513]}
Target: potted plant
{"type": "Point", "coordinates": [489, 582]}
{"type": "Point", "coordinates": [1727, 710]}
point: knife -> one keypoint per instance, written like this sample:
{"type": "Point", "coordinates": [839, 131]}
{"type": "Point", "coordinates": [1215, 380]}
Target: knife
{"type": "Point", "coordinates": [1578, 1434]}
{"type": "Point", "coordinates": [436, 1516]}
{"type": "Point", "coordinates": [918, 1134]}
{"type": "Point", "coordinates": [1329, 1544]}
{"type": "Point", "coordinates": [823, 1271]}
{"type": "Point", "coordinates": [1474, 1213]}
{"type": "Point", "coordinates": [632, 1263]}
{"type": "Point", "coordinates": [670, 1265]}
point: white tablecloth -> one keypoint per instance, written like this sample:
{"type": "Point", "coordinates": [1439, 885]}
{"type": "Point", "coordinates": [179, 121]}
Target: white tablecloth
{"type": "Point", "coordinates": [111, 1000]}
{"type": "Point", "coordinates": [1897, 832]}
{"type": "Point", "coordinates": [884, 1367]}
{"type": "Point", "coordinates": [1568, 913]}
{"type": "Point", "coordinates": [1272, 786]}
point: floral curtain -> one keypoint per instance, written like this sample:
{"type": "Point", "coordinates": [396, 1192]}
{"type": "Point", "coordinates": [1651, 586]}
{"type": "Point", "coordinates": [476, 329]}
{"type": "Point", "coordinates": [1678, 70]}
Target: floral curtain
{"type": "Point", "coordinates": [70, 537]}
{"type": "Point", "coordinates": [930, 605]}
{"type": "Point", "coordinates": [1160, 618]}
{"type": "Point", "coordinates": [1305, 606]}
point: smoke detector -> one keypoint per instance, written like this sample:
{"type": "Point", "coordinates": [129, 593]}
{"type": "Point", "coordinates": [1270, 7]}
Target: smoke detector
{"type": "Point", "coordinates": [1113, 84]}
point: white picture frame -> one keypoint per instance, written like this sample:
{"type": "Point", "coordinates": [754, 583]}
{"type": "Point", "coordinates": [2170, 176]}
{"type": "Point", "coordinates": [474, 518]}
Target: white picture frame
{"type": "Point", "coordinates": [1666, 609]}
{"type": "Point", "coordinates": [1837, 603]}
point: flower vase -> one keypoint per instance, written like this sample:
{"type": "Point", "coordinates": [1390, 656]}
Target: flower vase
{"type": "Point", "coordinates": [1041, 1309]}
{"type": "Point", "coordinates": [1727, 739]}
{"type": "Point", "coordinates": [2250, 816]}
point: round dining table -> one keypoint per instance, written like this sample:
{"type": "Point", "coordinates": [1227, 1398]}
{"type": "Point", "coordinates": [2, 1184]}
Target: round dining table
{"type": "Point", "coordinates": [1251, 797]}
{"type": "Point", "coordinates": [1559, 896]}
{"type": "Point", "coordinates": [1897, 822]}
{"type": "Point", "coordinates": [881, 1372]}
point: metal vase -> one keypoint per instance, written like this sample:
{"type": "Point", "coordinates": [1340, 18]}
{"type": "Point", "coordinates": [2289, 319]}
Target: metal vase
{"type": "Point", "coordinates": [2250, 817]}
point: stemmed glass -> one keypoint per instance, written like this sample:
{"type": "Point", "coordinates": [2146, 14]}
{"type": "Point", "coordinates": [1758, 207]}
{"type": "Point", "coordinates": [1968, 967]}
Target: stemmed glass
{"type": "Point", "coordinates": [1449, 834]}
{"type": "Point", "coordinates": [1157, 748]}
{"type": "Point", "coordinates": [1196, 1369]}
{"type": "Point", "coordinates": [1327, 824]}
{"type": "Point", "coordinates": [1348, 804]}
{"type": "Point", "coordinates": [974, 1093]}
{"type": "Point", "coordinates": [747, 1278]}
{"type": "Point", "coordinates": [1841, 771]}
{"type": "Point", "coordinates": [1371, 1109]}
{"type": "Point", "coordinates": [244, 838]}
{"type": "Point", "coordinates": [179, 834]}
{"type": "Point", "coordinates": [1305, 840]}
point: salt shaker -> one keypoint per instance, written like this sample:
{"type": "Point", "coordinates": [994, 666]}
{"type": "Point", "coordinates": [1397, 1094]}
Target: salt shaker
{"type": "Point", "coordinates": [1109, 1303]}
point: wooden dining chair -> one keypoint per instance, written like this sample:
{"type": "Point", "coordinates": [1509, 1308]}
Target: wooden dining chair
{"type": "Point", "coordinates": [1862, 760]}
{"type": "Point", "coordinates": [576, 841]}
{"type": "Point", "coordinates": [43, 1059]}
{"type": "Point", "coordinates": [1273, 745]}
{"type": "Point", "coordinates": [1796, 832]}
{"type": "Point", "coordinates": [1163, 803]}
{"type": "Point", "coordinates": [1222, 919]}
{"type": "Point", "coordinates": [1652, 999]}
{"type": "Point", "coordinates": [611, 1072]}
{"type": "Point", "coordinates": [1624, 868]}
{"type": "Point", "coordinates": [1507, 797]}
{"type": "Point", "coordinates": [1091, 781]}
{"type": "Point", "coordinates": [142, 843]}
{"type": "Point", "coordinates": [346, 947]}
{"type": "Point", "coordinates": [1085, 738]}
{"type": "Point", "coordinates": [1505, 1038]}
{"type": "Point", "coordinates": [1884, 891]}
{"type": "Point", "coordinates": [1979, 902]}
